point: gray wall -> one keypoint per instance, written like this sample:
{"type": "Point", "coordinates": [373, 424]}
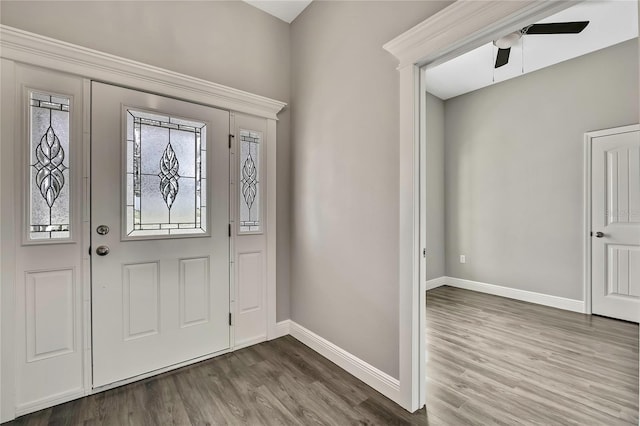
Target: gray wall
{"type": "Point", "coordinates": [514, 169]}
{"type": "Point", "coordinates": [344, 235]}
{"type": "Point", "coordinates": [435, 187]}
{"type": "Point", "coordinates": [230, 43]}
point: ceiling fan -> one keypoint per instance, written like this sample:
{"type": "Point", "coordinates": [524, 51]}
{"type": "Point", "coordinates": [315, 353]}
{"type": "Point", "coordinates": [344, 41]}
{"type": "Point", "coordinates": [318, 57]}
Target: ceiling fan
{"type": "Point", "coordinates": [505, 43]}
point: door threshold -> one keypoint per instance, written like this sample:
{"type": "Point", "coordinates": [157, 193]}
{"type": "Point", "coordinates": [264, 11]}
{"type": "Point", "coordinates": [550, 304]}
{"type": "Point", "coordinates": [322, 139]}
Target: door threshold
{"type": "Point", "coordinates": [157, 372]}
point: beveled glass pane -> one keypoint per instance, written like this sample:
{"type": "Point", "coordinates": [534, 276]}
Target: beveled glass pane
{"type": "Point", "coordinates": [182, 210]}
{"type": "Point", "coordinates": [203, 164]}
{"type": "Point", "coordinates": [184, 145]}
{"type": "Point", "coordinates": [150, 116]}
{"type": "Point", "coordinates": [250, 214]}
{"type": "Point", "coordinates": [153, 206]}
{"type": "Point", "coordinates": [164, 175]}
{"type": "Point", "coordinates": [153, 142]}
{"type": "Point", "coordinates": [187, 123]}
{"type": "Point", "coordinates": [49, 199]}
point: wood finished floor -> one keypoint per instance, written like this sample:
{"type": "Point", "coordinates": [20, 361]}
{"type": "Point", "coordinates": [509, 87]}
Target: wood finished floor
{"type": "Point", "coordinates": [281, 382]}
{"type": "Point", "coordinates": [490, 361]}
{"type": "Point", "coordinates": [493, 360]}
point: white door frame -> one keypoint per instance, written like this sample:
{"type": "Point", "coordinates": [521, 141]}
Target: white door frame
{"type": "Point", "coordinates": [18, 46]}
{"type": "Point", "coordinates": [456, 29]}
{"type": "Point", "coordinates": [588, 143]}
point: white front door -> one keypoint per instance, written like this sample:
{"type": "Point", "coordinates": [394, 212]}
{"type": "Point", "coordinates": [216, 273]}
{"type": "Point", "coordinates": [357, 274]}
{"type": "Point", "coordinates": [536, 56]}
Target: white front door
{"type": "Point", "coordinates": [159, 232]}
{"type": "Point", "coordinates": [615, 224]}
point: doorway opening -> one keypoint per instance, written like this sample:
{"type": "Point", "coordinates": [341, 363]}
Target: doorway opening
{"type": "Point", "coordinates": [511, 183]}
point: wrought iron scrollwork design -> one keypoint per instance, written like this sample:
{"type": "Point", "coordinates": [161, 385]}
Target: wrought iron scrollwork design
{"type": "Point", "coordinates": [249, 181]}
{"type": "Point", "coordinates": [50, 167]}
{"type": "Point", "coordinates": [169, 176]}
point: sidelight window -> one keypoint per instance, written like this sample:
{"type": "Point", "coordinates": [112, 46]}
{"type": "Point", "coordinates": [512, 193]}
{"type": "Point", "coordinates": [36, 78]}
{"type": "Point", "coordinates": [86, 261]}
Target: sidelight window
{"type": "Point", "coordinates": [250, 217]}
{"type": "Point", "coordinates": [49, 212]}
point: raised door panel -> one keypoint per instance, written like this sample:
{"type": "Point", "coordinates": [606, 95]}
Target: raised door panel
{"type": "Point", "coordinates": [194, 291]}
{"type": "Point", "coordinates": [250, 282]}
{"type": "Point", "coordinates": [623, 187]}
{"type": "Point", "coordinates": [623, 278]}
{"type": "Point", "coordinates": [50, 314]}
{"type": "Point", "coordinates": [141, 299]}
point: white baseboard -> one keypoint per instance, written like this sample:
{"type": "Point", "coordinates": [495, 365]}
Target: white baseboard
{"type": "Point", "coordinates": [436, 282]}
{"type": "Point", "coordinates": [523, 295]}
{"type": "Point", "coordinates": [377, 379]}
{"type": "Point", "coordinates": [282, 328]}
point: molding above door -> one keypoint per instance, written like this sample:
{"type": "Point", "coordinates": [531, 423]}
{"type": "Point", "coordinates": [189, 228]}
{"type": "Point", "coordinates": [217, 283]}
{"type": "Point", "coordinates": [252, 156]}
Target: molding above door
{"type": "Point", "coordinates": [38, 50]}
{"type": "Point", "coordinates": [463, 26]}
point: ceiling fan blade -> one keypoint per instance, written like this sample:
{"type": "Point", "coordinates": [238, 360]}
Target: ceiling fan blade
{"type": "Point", "coordinates": [557, 28]}
{"type": "Point", "coordinates": [503, 57]}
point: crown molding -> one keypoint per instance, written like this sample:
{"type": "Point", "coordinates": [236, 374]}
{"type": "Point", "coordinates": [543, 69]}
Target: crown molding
{"type": "Point", "coordinates": [463, 23]}
{"type": "Point", "coordinates": [34, 49]}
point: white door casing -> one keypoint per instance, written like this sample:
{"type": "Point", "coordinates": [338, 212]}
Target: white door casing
{"type": "Point", "coordinates": [434, 40]}
{"type": "Point", "coordinates": [158, 300]}
{"type": "Point", "coordinates": [615, 223]}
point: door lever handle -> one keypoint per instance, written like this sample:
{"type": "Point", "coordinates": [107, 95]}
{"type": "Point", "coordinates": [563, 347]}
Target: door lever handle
{"type": "Point", "coordinates": [598, 234]}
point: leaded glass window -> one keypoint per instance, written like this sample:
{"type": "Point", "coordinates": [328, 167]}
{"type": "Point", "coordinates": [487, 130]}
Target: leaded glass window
{"type": "Point", "coordinates": [49, 216]}
{"type": "Point", "coordinates": [166, 166]}
{"type": "Point", "coordinates": [250, 217]}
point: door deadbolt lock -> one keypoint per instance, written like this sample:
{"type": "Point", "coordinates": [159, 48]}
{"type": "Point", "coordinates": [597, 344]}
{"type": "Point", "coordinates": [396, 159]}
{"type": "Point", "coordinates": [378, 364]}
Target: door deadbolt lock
{"type": "Point", "coordinates": [102, 230]}
{"type": "Point", "coordinates": [102, 251]}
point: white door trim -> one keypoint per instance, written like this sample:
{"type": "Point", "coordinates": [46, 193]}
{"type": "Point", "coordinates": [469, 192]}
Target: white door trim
{"type": "Point", "coordinates": [588, 143]}
{"type": "Point", "coordinates": [456, 29]}
{"type": "Point", "coordinates": [45, 52]}
{"type": "Point", "coordinates": [18, 46]}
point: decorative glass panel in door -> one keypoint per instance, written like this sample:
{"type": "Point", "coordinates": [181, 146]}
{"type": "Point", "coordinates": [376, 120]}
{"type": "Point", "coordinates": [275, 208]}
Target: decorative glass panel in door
{"type": "Point", "coordinates": [49, 216]}
{"type": "Point", "coordinates": [166, 175]}
{"type": "Point", "coordinates": [250, 216]}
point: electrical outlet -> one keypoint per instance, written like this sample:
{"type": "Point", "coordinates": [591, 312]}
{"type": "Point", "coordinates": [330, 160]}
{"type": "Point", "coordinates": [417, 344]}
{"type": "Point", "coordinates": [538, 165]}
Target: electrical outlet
{"type": "Point", "coordinates": [463, 258]}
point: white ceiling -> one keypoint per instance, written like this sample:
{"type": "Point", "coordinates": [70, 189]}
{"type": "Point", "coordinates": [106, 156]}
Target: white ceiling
{"type": "Point", "coordinates": [611, 22]}
{"type": "Point", "coordinates": [287, 10]}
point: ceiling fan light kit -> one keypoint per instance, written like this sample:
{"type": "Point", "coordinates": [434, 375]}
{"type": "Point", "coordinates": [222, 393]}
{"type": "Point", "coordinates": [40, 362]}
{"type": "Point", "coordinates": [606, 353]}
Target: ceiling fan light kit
{"type": "Point", "coordinates": [508, 41]}
{"type": "Point", "coordinates": [505, 43]}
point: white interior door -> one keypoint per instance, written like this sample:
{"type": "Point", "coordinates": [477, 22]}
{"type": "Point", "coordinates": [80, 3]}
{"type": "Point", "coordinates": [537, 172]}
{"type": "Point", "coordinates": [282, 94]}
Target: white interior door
{"type": "Point", "coordinates": [159, 232]}
{"type": "Point", "coordinates": [615, 225]}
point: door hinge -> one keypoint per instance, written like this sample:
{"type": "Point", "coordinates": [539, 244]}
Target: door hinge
{"type": "Point", "coordinates": [229, 318]}
{"type": "Point", "coordinates": [230, 136]}
{"type": "Point", "coordinates": [424, 252]}
{"type": "Point", "coordinates": [229, 230]}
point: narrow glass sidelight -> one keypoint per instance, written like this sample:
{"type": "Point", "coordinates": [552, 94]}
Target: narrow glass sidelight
{"type": "Point", "coordinates": [49, 212]}
{"type": "Point", "coordinates": [166, 168]}
{"type": "Point", "coordinates": [250, 217]}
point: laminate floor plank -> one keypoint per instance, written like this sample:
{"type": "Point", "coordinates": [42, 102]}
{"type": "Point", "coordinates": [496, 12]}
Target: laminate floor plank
{"type": "Point", "coordinates": [528, 364]}
{"type": "Point", "coordinates": [491, 361]}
